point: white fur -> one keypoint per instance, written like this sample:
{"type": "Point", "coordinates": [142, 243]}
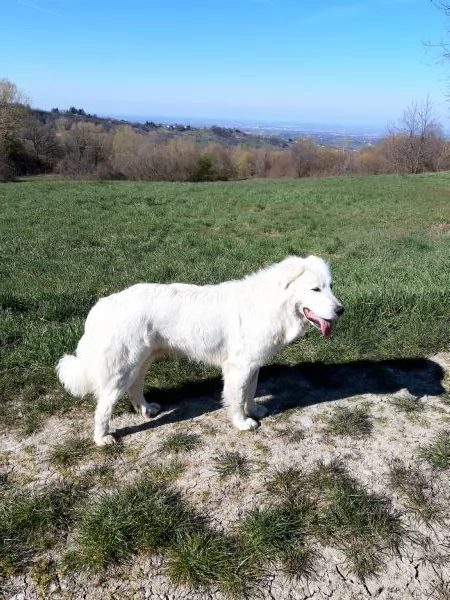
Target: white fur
{"type": "Point", "coordinates": [236, 325]}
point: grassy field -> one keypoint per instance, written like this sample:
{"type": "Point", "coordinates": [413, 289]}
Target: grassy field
{"type": "Point", "coordinates": [66, 243]}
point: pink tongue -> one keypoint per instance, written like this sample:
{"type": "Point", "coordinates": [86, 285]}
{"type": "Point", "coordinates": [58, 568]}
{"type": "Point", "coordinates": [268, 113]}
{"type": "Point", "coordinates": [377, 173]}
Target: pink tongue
{"type": "Point", "coordinates": [325, 326]}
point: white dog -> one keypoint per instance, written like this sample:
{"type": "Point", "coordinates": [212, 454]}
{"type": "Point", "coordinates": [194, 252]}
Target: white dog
{"type": "Point", "coordinates": [235, 325]}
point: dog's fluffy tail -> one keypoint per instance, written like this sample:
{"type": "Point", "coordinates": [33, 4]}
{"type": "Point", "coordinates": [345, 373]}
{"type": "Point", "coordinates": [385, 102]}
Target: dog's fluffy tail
{"type": "Point", "coordinates": [72, 373]}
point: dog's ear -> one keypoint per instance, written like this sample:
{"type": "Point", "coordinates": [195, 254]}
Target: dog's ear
{"type": "Point", "coordinates": [290, 270]}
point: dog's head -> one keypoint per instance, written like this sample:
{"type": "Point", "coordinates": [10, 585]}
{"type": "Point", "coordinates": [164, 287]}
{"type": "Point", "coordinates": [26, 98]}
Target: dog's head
{"type": "Point", "coordinates": [311, 289]}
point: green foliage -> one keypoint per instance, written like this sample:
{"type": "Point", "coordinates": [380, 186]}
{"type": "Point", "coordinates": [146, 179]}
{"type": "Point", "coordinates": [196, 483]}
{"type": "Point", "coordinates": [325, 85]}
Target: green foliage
{"type": "Point", "coordinates": [267, 532]}
{"type": "Point", "coordinates": [361, 522]}
{"type": "Point", "coordinates": [286, 484]}
{"type": "Point", "coordinates": [146, 517]}
{"type": "Point", "coordinates": [205, 169]}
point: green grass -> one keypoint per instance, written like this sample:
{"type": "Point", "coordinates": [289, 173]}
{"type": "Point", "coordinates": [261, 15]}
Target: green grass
{"type": "Point", "coordinates": [340, 512]}
{"type": "Point", "coordinates": [362, 523]}
{"type": "Point", "coordinates": [180, 441]}
{"type": "Point", "coordinates": [286, 483]}
{"type": "Point", "coordinates": [278, 536]}
{"type": "Point", "coordinates": [147, 517]}
{"type": "Point", "coordinates": [412, 484]}
{"type": "Point", "coordinates": [438, 452]}
{"type": "Point", "coordinates": [166, 471]}
{"type": "Point", "coordinates": [202, 559]}
{"type": "Point", "coordinates": [408, 404]}
{"type": "Point", "coordinates": [355, 422]}
{"type": "Point", "coordinates": [34, 522]}
{"type": "Point", "coordinates": [139, 517]}
{"type": "Point", "coordinates": [66, 243]}
{"type": "Point", "coordinates": [70, 451]}
{"type": "Point", "coordinates": [231, 463]}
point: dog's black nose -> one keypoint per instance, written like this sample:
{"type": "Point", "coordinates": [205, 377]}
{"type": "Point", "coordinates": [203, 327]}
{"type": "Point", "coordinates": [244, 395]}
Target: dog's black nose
{"type": "Point", "coordinates": [339, 310]}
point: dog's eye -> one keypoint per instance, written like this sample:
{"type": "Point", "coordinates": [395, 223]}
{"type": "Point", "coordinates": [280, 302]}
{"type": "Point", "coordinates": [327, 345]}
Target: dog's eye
{"type": "Point", "coordinates": [316, 290]}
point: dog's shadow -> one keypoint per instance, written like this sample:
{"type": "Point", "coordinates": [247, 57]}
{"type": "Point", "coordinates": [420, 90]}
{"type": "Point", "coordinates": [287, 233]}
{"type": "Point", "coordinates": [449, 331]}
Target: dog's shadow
{"type": "Point", "coordinates": [305, 384]}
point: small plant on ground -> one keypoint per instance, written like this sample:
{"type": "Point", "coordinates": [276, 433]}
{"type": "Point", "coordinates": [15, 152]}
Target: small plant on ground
{"type": "Point", "coordinates": [165, 472]}
{"type": "Point", "coordinates": [355, 422]}
{"type": "Point", "coordinates": [110, 450]}
{"type": "Point", "coordinates": [412, 484]}
{"type": "Point", "coordinates": [408, 404]}
{"type": "Point", "coordinates": [98, 474]}
{"type": "Point", "coordinates": [438, 452]}
{"type": "Point", "coordinates": [231, 463]}
{"type": "Point", "coordinates": [363, 524]}
{"type": "Point", "coordinates": [180, 441]}
{"type": "Point", "coordinates": [70, 451]}
{"type": "Point", "coordinates": [289, 434]}
{"type": "Point", "coordinates": [299, 561]}
{"type": "Point", "coordinates": [286, 484]}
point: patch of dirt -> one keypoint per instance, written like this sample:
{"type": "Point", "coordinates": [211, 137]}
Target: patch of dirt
{"type": "Point", "coordinates": [299, 400]}
{"type": "Point", "coordinates": [441, 227]}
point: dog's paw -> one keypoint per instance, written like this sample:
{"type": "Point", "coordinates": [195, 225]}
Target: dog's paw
{"type": "Point", "coordinates": [258, 411]}
{"type": "Point", "coordinates": [151, 410]}
{"type": "Point", "coordinates": [245, 424]}
{"type": "Point", "coordinates": [105, 440]}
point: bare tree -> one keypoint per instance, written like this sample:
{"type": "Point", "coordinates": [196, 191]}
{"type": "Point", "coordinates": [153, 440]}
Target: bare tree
{"type": "Point", "coordinates": [304, 155]}
{"type": "Point", "coordinates": [13, 108]}
{"type": "Point", "coordinates": [87, 148]}
{"type": "Point", "coordinates": [42, 142]}
{"type": "Point", "coordinates": [416, 143]}
{"type": "Point", "coordinates": [443, 45]}
{"type": "Point", "coordinates": [13, 111]}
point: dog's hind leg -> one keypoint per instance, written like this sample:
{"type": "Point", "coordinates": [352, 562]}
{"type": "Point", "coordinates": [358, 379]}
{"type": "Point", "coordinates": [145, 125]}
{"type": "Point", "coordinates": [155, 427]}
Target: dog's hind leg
{"type": "Point", "coordinates": [236, 384]}
{"type": "Point", "coordinates": [250, 408]}
{"type": "Point", "coordinates": [136, 392]}
{"type": "Point", "coordinates": [105, 404]}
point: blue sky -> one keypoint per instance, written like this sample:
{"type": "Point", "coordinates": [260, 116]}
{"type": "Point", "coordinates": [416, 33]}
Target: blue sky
{"type": "Point", "coordinates": [349, 62]}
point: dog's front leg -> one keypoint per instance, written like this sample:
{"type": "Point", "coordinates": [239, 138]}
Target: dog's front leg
{"type": "Point", "coordinates": [250, 408]}
{"type": "Point", "coordinates": [237, 383]}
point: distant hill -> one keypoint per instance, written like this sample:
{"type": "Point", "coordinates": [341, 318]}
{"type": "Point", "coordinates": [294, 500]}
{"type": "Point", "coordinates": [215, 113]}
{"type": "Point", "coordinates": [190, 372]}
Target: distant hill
{"type": "Point", "coordinates": [256, 136]}
{"type": "Point", "coordinates": [228, 136]}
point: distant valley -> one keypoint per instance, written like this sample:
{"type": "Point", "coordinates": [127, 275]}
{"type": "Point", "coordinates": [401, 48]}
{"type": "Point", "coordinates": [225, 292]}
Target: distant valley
{"type": "Point", "coordinates": [335, 136]}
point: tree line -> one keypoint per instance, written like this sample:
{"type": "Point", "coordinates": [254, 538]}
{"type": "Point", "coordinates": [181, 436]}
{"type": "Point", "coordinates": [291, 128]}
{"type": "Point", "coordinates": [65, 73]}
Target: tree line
{"type": "Point", "coordinates": [83, 148]}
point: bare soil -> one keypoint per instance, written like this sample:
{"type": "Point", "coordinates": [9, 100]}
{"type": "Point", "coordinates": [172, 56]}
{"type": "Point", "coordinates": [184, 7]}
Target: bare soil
{"type": "Point", "coordinates": [299, 400]}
